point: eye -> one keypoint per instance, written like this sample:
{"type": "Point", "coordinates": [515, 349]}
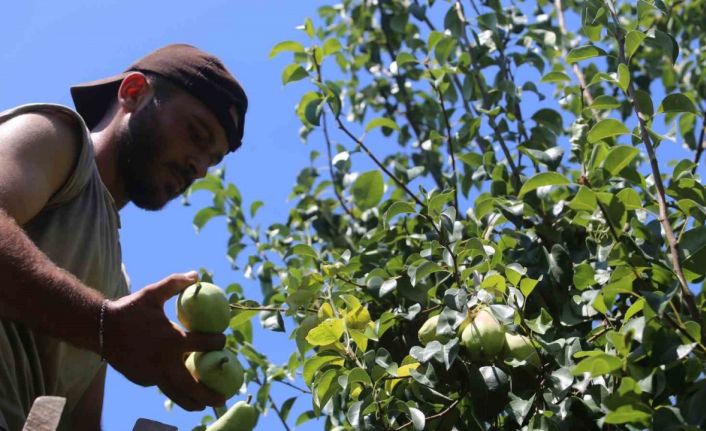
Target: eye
{"type": "Point", "coordinates": [197, 137]}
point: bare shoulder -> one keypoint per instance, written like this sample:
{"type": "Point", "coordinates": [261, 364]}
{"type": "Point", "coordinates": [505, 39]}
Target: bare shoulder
{"type": "Point", "coordinates": [38, 151]}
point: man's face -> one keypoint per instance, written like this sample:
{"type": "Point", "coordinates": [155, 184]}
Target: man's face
{"type": "Point", "coordinates": [167, 145]}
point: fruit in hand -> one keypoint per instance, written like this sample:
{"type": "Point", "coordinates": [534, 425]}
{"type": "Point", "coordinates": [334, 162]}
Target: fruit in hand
{"type": "Point", "coordinates": [427, 333]}
{"type": "Point", "coordinates": [241, 417]}
{"type": "Point", "coordinates": [203, 307]}
{"type": "Point", "coordinates": [219, 370]}
{"type": "Point", "coordinates": [484, 336]}
{"type": "Point", "coordinates": [520, 348]}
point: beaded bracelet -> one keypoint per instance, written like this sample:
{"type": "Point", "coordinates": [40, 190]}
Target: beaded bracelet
{"type": "Point", "coordinates": [100, 329]}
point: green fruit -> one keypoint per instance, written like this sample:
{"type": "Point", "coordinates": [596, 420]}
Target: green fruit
{"type": "Point", "coordinates": [427, 333]}
{"type": "Point", "coordinates": [219, 370]}
{"type": "Point", "coordinates": [203, 307]}
{"type": "Point", "coordinates": [241, 417]}
{"type": "Point", "coordinates": [521, 348]}
{"type": "Point", "coordinates": [484, 337]}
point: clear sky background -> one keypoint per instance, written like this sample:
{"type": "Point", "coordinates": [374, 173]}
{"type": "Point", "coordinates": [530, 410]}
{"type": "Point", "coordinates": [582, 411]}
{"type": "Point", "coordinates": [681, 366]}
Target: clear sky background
{"type": "Point", "coordinates": [49, 45]}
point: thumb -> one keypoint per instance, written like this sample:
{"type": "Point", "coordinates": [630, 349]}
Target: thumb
{"type": "Point", "coordinates": [166, 288]}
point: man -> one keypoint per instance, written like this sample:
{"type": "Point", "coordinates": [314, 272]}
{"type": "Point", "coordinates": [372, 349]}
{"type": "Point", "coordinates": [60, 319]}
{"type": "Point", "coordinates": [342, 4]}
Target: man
{"type": "Point", "coordinates": [142, 136]}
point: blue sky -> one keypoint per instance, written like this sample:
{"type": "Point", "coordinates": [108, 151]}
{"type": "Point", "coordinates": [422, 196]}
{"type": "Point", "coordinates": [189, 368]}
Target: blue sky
{"type": "Point", "coordinates": [48, 46]}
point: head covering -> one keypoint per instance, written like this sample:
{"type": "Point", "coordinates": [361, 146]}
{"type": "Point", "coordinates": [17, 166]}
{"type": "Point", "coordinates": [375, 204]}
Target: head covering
{"type": "Point", "coordinates": [201, 74]}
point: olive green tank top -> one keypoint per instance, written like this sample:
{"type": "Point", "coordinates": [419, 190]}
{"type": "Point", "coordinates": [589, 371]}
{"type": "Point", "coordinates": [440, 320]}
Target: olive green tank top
{"type": "Point", "coordinates": [78, 230]}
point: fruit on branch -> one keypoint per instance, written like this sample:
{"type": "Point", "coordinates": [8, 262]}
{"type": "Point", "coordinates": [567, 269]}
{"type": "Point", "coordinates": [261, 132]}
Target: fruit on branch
{"type": "Point", "coordinates": [427, 333]}
{"type": "Point", "coordinates": [521, 348]}
{"type": "Point", "coordinates": [203, 307]}
{"type": "Point", "coordinates": [219, 370]}
{"type": "Point", "coordinates": [483, 337]}
{"type": "Point", "coordinates": [241, 417]}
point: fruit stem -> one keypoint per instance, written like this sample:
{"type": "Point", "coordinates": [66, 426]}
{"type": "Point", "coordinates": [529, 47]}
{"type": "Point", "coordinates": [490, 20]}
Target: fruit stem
{"type": "Point", "coordinates": [249, 399]}
{"type": "Point", "coordinates": [223, 362]}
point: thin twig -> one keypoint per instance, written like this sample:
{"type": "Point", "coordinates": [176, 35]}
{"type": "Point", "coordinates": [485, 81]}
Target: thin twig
{"type": "Point", "coordinates": [330, 165]}
{"type": "Point", "coordinates": [264, 308]}
{"type": "Point", "coordinates": [656, 174]}
{"type": "Point", "coordinates": [486, 100]}
{"type": "Point", "coordinates": [699, 145]}
{"type": "Point", "coordinates": [577, 70]}
{"type": "Point", "coordinates": [434, 416]}
{"type": "Point", "coordinates": [279, 413]}
{"type": "Point", "coordinates": [449, 138]}
{"type": "Point", "coordinates": [284, 382]}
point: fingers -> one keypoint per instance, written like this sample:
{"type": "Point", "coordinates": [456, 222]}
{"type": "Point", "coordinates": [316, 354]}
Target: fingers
{"type": "Point", "coordinates": [170, 286]}
{"type": "Point", "coordinates": [191, 395]}
{"type": "Point", "coordinates": [198, 342]}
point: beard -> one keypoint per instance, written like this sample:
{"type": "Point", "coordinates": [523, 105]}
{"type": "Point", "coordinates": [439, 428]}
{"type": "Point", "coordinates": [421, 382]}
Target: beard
{"type": "Point", "coordinates": [139, 148]}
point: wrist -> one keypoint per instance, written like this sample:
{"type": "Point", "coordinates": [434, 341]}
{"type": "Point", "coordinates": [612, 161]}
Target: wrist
{"type": "Point", "coordinates": [101, 329]}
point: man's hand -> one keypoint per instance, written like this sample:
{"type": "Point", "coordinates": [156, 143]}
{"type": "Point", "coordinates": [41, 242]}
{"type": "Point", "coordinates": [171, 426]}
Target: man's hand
{"type": "Point", "coordinates": [141, 343]}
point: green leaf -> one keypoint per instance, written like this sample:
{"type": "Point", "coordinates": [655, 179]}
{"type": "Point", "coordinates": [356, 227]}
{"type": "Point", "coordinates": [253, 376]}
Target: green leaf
{"type": "Point", "coordinates": [677, 103]}
{"type": "Point", "coordinates": [542, 323]}
{"type": "Point", "coordinates": [292, 73]}
{"type": "Point", "coordinates": [381, 122]}
{"type": "Point", "coordinates": [331, 46]}
{"type": "Point", "coordinates": [315, 363]}
{"type": "Point", "coordinates": [204, 215]}
{"type": "Point", "coordinates": [527, 286]}
{"type": "Point", "coordinates": [309, 27]}
{"type": "Point", "coordinates": [368, 189]}
{"type": "Point", "coordinates": [327, 332]}
{"type": "Point", "coordinates": [543, 179]}
{"type": "Point", "coordinates": [598, 365]}
{"type": "Point", "coordinates": [630, 198]}
{"type": "Point", "coordinates": [618, 158]}
{"type": "Point", "coordinates": [605, 102]}
{"type": "Point", "coordinates": [623, 77]}
{"type": "Point", "coordinates": [583, 53]}
{"type": "Point", "coordinates": [305, 250]}
{"type": "Point", "coordinates": [585, 200]}
{"type": "Point", "coordinates": [254, 207]}
{"type": "Point", "coordinates": [584, 276]}
{"type": "Point", "coordinates": [633, 40]}
{"type": "Point", "coordinates": [693, 244]}
{"type": "Point", "coordinates": [419, 273]}
{"type": "Point", "coordinates": [628, 414]}
{"type": "Point", "coordinates": [644, 103]}
{"type": "Point", "coordinates": [287, 46]}
{"type": "Point", "coordinates": [556, 77]}
{"type": "Point", "coordinates": [399, 207]}
{"type": "Point", "coordinates": [404, 58]}
{"type": "Point", "coordinates": [606, 128]}
{"type": "Point", "coordinates": [305, 417]}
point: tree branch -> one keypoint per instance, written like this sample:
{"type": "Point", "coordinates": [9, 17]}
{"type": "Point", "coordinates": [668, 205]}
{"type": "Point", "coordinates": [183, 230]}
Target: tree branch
{"type": "Point", "coordinates": [449, 138]}
{"type": "Point", "coordinates": [657, 175]}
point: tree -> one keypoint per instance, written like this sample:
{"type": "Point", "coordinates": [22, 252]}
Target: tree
{"type": "Point", "coordinates": [497, 159]}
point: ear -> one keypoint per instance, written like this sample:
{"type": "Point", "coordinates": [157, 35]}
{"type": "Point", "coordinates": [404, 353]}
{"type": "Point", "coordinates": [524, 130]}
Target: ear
{"type": "Point", "coordinates": [134, 91]}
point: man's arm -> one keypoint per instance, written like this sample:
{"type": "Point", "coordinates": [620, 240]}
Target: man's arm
{"type": "Point", "coordinates": [86, 416]}
{"type": "Point", "coordinates": [37, 153]}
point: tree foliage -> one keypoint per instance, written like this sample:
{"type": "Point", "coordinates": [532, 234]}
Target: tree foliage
{"type": "Point", "coordinates": [487, 157]}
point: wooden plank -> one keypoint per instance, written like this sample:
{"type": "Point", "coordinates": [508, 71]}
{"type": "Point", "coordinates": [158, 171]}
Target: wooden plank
{"type": "Point", "coordinates": [45, 414]}
{"type": "Point", "coordinates": [143, 424]}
